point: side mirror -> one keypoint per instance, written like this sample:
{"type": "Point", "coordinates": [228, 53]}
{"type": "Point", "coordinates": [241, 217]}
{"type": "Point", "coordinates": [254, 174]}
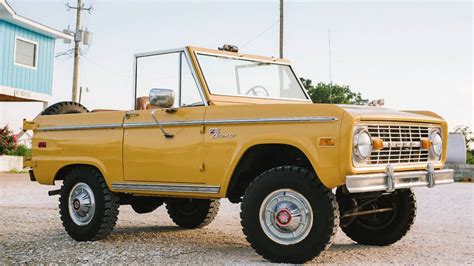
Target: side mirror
{"type": "Point", "coordinates": [162, 98]}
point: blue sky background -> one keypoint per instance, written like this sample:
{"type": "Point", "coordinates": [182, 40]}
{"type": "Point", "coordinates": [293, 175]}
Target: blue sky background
{"type": "Point", "coordinates": [415, 55]}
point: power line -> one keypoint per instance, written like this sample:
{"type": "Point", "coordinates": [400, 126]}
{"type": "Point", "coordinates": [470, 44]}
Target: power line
{"type": "Point", "coordinates": [260, 34]}
{"type": "Point", "coordinates": [106, 69]}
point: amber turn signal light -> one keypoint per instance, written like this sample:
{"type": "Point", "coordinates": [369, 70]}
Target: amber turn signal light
{"type": "Point", "coordinates": [328, 142]}
{"type": "Point", "coordinates": [377, 144]}
{"type": "Point", "coordinates": [425, 144]}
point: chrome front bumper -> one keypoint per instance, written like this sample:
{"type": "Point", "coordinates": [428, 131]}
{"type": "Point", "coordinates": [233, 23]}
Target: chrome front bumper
{"type": "Point", "coordinates": [390, 180]}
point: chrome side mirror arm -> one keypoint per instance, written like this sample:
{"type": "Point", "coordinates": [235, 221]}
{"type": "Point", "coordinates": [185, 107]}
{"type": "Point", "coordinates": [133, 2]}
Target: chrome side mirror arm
{"type": "Point", "coordinates": [166, 134]}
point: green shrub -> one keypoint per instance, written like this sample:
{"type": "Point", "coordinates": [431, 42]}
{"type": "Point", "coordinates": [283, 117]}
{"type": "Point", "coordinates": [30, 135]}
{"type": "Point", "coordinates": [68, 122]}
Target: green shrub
{"type": "Point", "coordinates": [469, 158]}
{"type": "Point", "coordinates": [21, 150]}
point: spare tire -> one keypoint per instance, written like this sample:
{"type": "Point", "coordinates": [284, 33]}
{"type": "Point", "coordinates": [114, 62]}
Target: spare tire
{"type": "Point", "coordinates": [62, 108]}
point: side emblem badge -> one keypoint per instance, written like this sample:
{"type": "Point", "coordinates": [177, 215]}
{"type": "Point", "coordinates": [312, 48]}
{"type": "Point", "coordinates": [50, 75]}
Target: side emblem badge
{"type": "Point", "coordinates": [216, 134]}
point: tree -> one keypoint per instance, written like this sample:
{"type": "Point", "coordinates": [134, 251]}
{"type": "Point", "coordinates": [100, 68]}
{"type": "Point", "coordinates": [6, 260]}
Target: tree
{"type": "Point", "coordinates": [332, 93]}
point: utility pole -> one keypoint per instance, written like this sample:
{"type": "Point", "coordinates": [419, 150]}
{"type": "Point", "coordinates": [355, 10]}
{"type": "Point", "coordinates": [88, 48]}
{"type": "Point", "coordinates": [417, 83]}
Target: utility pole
{"type": "Point", "coordinates": [281, 28]}
{"type": "Point", "coordinates": [78, 39]}
{"type": "Point", "coordinates": [77, 47]}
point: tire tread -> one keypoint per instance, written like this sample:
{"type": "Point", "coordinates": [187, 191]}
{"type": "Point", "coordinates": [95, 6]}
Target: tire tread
{"type": "Point", "coordinates": [310, 179]}
{"type": "Point", "coordinates": [377, 238]}
{"type": "Point", "coordinates": [111, 202]}
{"type": "Point", "coordinates": [214, 205]}
{"type": "Point", "coordinates": [65, 108]}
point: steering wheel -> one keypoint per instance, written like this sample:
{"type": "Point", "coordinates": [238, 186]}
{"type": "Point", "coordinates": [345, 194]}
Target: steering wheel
{"type": "Point", "coordinates": [258, 91]}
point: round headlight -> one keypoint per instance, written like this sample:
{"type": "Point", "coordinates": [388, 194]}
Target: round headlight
{"type": "Point", "coordinates": [436, 143]}
{"type": "Point", "coordinates": [362, 144]}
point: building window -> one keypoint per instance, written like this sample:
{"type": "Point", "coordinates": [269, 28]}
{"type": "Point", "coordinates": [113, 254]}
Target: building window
{"type": "Point", "coordinates": [26, 53]}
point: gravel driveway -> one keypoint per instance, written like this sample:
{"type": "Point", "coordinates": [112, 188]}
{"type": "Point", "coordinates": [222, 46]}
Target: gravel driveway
{"type": "Point", "coordinates": [31, 232]}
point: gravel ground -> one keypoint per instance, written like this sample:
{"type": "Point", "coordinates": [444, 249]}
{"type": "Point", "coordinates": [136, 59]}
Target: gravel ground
{"type": "Point", "coordinates": [31, 232]}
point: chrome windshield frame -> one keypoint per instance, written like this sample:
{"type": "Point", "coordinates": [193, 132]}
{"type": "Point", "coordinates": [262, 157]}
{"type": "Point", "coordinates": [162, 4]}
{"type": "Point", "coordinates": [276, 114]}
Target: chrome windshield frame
{"type": "Point", "coordinates": [183, 52]}
{"type": "Point", "coordinates": [308, 98]}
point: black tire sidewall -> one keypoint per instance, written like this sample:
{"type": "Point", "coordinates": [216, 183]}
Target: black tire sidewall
{"type": "Point", "coordinates": [86, 232]}
{"type": "Point", "coordinates": [192, 220]}
{"type": "Point", "coordinates": [321, 211]}
{"type": "Point", "coordinates": [392, 232]}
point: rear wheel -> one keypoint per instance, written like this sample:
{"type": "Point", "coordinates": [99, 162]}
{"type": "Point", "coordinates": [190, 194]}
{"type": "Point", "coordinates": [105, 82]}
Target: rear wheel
{"type": "Point", "coordinates": [65, 108]}
{"type": "Point", "coordinates": [192, 213]}
{"type": "Point", "coordinates": [389, 217]}
{"type": "Point", "coordinates": [87, 207]}
{"type": "Point", "coordinates": [288, 216]}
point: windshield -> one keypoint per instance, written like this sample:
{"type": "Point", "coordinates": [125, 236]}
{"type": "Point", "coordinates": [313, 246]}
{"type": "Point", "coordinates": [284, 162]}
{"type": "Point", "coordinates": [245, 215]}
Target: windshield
{"type": "Point", "coordinates": [240, 77]}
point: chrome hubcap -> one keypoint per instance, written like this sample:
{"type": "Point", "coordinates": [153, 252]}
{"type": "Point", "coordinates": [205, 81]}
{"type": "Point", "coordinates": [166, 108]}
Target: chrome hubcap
{"type": "Point", "coordinates": [81, 204]}
{"type": "Point", "coordinates": [286, 216]}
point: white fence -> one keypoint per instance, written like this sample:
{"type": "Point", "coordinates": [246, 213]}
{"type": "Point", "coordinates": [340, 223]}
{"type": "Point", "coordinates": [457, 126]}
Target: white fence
{"type": "Point", "coordinates": [10, 163]}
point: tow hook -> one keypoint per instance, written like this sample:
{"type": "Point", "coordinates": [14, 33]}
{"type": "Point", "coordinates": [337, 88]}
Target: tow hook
{"type": "Point", "coordinates": [54, 192]}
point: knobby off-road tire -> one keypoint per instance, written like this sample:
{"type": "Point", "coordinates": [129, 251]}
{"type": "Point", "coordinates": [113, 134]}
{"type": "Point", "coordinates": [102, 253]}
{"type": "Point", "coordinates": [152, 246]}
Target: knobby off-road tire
{"type": "Point", "coordinates": [265, 214]}
{"type": "Point", "coordinates": [62, 108]}
{"type": "Point", "coordinates": [192, 213]}
{"type": "Point", "coordinates": [86, 186]}
{"type": "Point", "coordinates": [380, 229]}
{"type": "Point", "coordinates": [143, 205]}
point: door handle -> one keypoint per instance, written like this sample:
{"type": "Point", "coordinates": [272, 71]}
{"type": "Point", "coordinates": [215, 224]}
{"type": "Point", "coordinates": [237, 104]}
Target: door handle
{"type": "Point", "coordinates": [131, 114]}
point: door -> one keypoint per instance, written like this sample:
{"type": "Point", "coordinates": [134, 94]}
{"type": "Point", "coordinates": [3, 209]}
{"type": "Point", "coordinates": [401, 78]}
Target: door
{"type": "Point", "coordinates": [149, 156]}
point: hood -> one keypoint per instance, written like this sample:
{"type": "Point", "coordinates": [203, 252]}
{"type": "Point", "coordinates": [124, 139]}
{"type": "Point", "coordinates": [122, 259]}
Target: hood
{"type": "Point", "coordinates": [372, 113]}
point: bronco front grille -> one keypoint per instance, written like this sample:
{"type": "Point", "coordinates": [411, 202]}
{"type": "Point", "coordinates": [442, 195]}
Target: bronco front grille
{"type": "Point", "coordinates": [402, 144]}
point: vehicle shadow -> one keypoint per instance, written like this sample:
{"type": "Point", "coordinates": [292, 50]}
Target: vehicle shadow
{"type": "Point", "coordinates": [173, 243]}
{"type": "Point", "coordinates": [349, 246]}
{"type": "Point", "coordinates": [139, 230]}
{"type": "Point", "coordinates": [193, 236]}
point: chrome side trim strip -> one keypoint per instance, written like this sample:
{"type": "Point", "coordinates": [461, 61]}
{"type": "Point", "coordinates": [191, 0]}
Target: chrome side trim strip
{"type": "Point", "coordinates": [80, 127]}
{"type": "Point", "coordinates": [196, 122]}
{"type": "Point", "coordinates": [170, 123]}
{"type": "Point", "coordinates": [233, 121]}
{"type": "Point", "coordinates": [272, 120]}
{"type": "Point", "coordinates": [167, 188]}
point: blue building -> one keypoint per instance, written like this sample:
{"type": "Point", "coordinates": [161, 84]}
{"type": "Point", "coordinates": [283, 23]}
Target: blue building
{"type": "Point", "coordinates": [26, 57]}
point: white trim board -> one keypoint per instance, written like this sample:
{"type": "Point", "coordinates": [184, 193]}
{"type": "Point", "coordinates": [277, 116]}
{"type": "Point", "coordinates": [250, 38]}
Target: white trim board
{"type": "Point", "coordinates": [24, 94]}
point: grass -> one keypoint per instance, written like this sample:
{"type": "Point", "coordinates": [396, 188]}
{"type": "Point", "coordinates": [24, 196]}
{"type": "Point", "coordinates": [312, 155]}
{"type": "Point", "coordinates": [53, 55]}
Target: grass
{"type": "Point", "coordinates": [16, 171]}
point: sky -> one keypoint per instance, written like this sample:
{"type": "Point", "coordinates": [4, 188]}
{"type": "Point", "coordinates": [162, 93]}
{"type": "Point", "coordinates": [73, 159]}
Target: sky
{"type": "Point", "coordinates": [417, 55]}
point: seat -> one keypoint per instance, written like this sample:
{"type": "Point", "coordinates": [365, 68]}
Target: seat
{"type": "Point", "coordinates": [143, 103]}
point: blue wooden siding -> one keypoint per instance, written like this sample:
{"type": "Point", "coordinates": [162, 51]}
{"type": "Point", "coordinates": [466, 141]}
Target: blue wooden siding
{"type": "Point", "coordinates": [11, 75]}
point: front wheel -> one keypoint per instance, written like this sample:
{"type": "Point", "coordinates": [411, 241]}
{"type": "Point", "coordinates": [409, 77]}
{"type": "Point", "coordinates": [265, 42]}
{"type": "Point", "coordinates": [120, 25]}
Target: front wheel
{"type": "Point", "coordinates": [288, 216]}
{"type": "Point", "coordinates": [388, 217]}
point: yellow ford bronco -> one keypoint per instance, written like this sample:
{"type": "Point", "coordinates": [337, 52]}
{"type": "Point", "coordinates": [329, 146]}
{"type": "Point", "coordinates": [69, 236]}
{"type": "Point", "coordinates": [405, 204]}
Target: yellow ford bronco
{"type": "Point", "coordinates": [222, 124]}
